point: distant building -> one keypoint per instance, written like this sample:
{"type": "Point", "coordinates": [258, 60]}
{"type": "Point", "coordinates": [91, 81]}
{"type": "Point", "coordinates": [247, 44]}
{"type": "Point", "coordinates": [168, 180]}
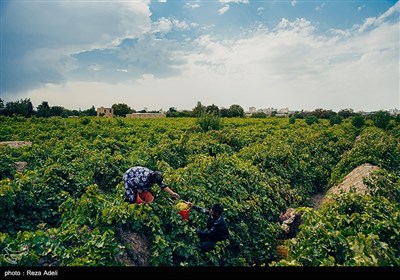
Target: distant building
{"type": "Point", "coordinates": [105, 112]}
{"type": "Point", "coordinates": [252, 110]}
{"type": "Point", "coordinates": [270, 111]}
{"type": "Point", "coordinates": [146, 115]}
{"type": "Point", "coordinates": [283, 112]}
{"type": "Point", "coordinates": [394, 112]}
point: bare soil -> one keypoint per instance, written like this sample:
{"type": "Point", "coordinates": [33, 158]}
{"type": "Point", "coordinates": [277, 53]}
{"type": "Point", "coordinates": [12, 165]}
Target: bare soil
{"type": "Point", "coordinates": [16, 144]}
{"type": "Point", "coordinates": [355, 179]}
{"type": "Point", "coordinates": [137, 251]}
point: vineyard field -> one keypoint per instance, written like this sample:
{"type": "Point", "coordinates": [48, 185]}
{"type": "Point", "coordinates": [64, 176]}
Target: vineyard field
{"type": "Point", "coordinates": [62, 199]}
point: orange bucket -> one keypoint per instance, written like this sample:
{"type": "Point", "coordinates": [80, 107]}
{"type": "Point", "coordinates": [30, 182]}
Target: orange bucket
{"type": "Point", "coordinates": [185, 214]}
{"type": "Point", "coordinates": [144, 197]}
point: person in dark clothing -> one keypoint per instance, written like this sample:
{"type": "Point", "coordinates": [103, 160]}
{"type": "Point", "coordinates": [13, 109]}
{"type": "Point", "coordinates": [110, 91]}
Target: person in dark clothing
{"type": "Point", "coordinates": [217, 230]}
{"type": "Point", "coordinates": [139, 179]}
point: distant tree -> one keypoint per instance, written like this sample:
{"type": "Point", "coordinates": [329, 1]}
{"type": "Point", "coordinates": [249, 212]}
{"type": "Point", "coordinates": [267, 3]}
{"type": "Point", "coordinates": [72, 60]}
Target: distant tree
{"type": "Point", "coordinates": [186, 113]}
{"type": "Point", "coordinates": [301, 115]}
{"type": "Point", "coordinates": [236, 111]}
{"type": "Point", "coordinates": [397, 118]}
{"type": "Point", "coordinates": [311, 119]}
{"type": "Point", "coordinates": [323, 114]}
{"type": "Point", "coordinates": [172, 113]}
{"type": "Point", "coordinates": [121, 109]}
{"type": "Point", "coordinates": [1, 107]}
{"type": "Point", "coordinates": [89, 112]}
{"type": "Point", "coordinates": [346, 113]}
{"type": "Point", "coordinates": [212, 109]}
{"type": "Point", "coordinates": [358, 121]}
{"type": "Point", "coordinates": [381, 119]}
{"type": "Point", "coordinates": [21, 107]}
{"type": "Point", "coordinates": [258, 115]}
{"type": "Point", "coordinates": [199, 110]}
{"type": "Point", "coordinates": [335, 119]}
{"type": "Point", "coordinates": [57, 111]}
{"type": "Point", "coordinates": [66, 113]}
{"type": "Point", "coordinates": [292, 119]}
{"type": "Point", "coordinates": [224, 112]}
{"type": "Point", "coordinates": [75, 113]}
{"type": "Point", "coordinates": [43, 110]}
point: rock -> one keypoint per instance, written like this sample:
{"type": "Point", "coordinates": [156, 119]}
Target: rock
{"type": "Point", "coordinates": [20, 165]}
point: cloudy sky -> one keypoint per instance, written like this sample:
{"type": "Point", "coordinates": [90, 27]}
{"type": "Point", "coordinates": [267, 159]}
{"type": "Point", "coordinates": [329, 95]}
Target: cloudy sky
{"type": "Point", "coordinates": [303, 54]}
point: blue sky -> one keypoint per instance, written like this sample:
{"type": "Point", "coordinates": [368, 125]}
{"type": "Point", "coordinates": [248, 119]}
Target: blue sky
{"type": "Point", "coordinates": [160, 54]}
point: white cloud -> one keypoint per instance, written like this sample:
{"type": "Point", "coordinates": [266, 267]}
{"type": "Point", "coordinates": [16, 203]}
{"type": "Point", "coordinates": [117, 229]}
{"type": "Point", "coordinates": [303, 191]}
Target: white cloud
{"type": "Point", "coordinates": [57, 29]}
{"type": "Point", "coordinates": [163, 25]}
{"type": "Point", "coordinates": [349, 73]}
{"type": "Point", "coordinates": [286, 67]}
{"type": "Point", "coordinates": [320, 7]}
{"type": "Point", "coordinates": [293, 3]}
{"type": "Point", "coordinates": [375, 21]}
{"type": "Point", "coordinates": [182, 25]}
{"type": "Point", "coordinates": [369, 23]}
{"type": "Point", "coordinates": [299, 25]}
{"type": "Point", "coordinates": [223, 10]}
{"type": "Point", "coordinates": [234, 1]}
{"type": "Point", "coordinates": [95, 67]}
{"type": "Point", "coordinates": [192, 4]}
{"type": "Point", "coordinates": [225, 3]}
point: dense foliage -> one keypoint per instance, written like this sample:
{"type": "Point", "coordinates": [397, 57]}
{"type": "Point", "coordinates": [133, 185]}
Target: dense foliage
{"type": "Point", "coordinates": [68, 205]}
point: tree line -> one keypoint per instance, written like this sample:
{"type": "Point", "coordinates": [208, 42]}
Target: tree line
{"type": "Point", "coordinates": [25, 108]}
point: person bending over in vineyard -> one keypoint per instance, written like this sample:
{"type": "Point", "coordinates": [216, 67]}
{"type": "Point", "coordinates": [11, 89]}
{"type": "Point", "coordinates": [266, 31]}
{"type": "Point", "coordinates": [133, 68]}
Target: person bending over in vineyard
{"type": "Point", "coordinates": [290, 222]}
{"type": "Point", "coordinates": [217, 230]}
{"type": "Point", "coordinates": [139, 179]}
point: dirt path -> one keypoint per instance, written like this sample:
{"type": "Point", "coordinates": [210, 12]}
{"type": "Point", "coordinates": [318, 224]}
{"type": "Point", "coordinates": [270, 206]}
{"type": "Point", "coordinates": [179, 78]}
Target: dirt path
{"type": "Point", "coordinates": [316, 200]}
{"type": "Point", "coordinates": [16, 144]}
{"type": "Point", "coordinates": [354, 179]}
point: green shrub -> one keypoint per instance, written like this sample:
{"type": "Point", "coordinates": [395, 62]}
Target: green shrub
{"type": "Point", "coordinates": [209, 122]}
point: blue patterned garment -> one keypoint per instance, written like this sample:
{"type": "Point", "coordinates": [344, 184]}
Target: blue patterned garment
{"type": "Point", "coordinates": [137, 178]}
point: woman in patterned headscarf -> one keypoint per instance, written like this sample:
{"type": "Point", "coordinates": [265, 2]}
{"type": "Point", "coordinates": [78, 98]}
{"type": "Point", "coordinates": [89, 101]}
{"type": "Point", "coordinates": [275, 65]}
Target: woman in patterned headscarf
{"type": "Point", "coordinates": [139, 179]}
